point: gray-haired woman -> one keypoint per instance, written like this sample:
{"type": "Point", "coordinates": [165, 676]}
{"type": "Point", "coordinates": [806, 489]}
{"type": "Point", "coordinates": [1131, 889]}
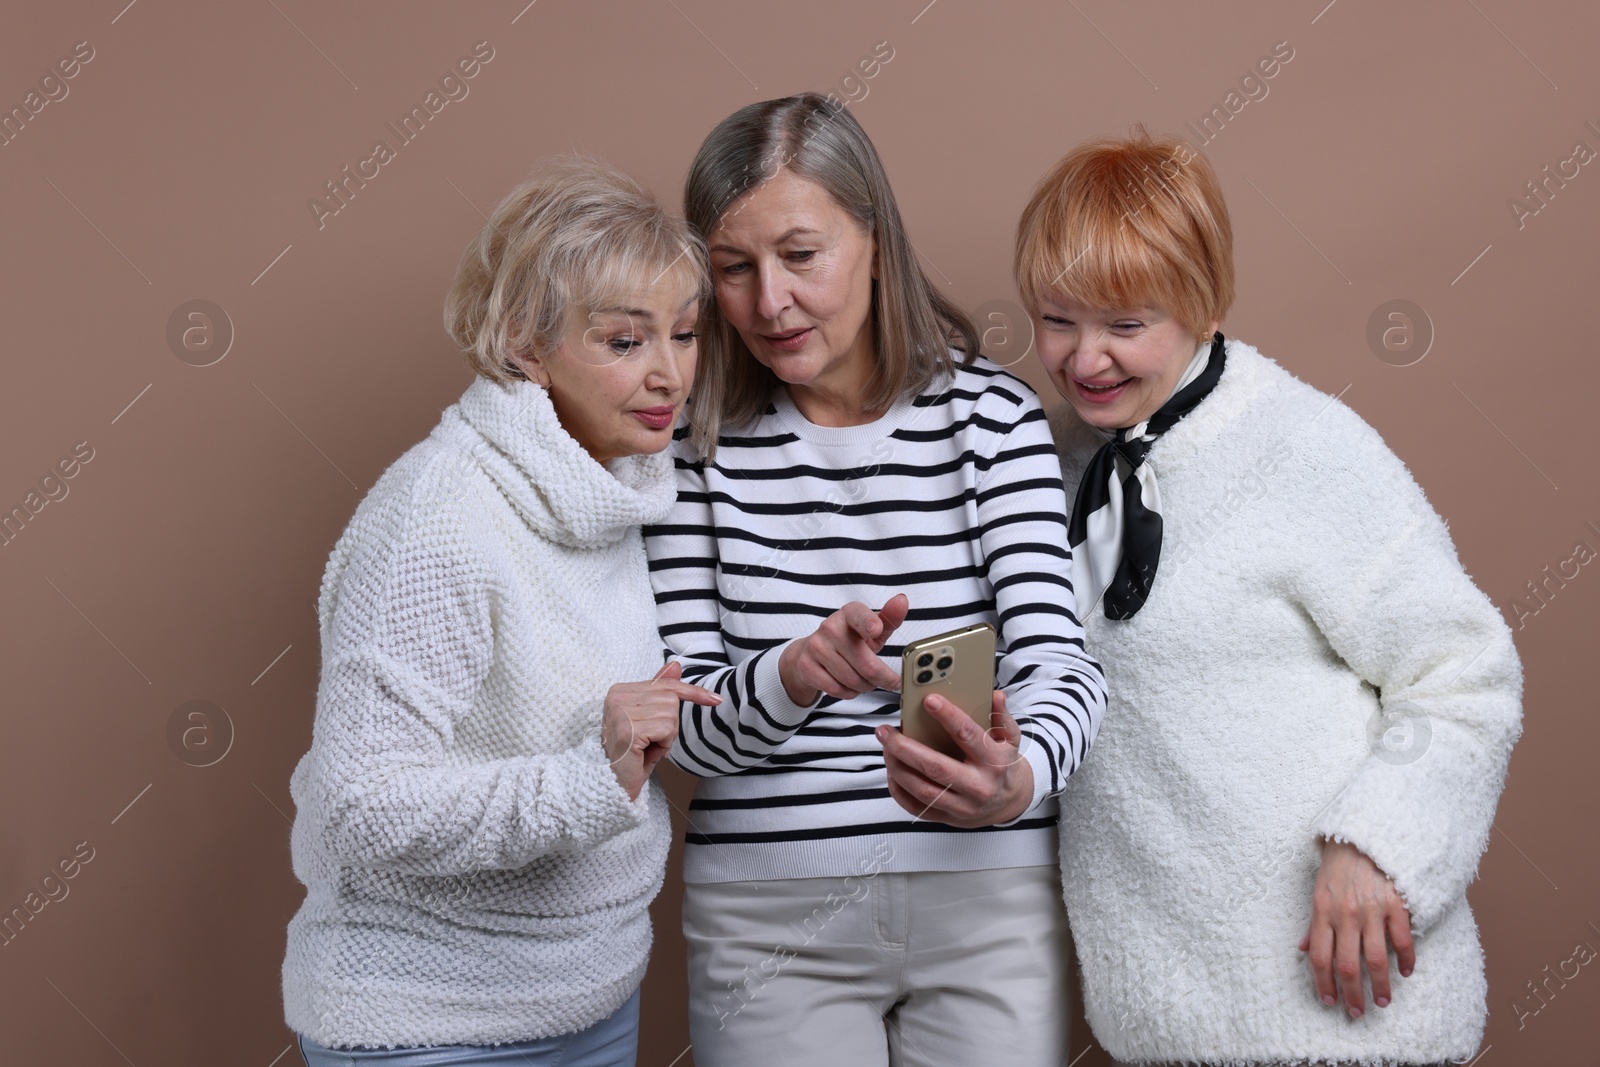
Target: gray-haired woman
{"type": "Point", "coordinates": [476, 827]}
{"type": "Point", "coordinates": [850, 483]}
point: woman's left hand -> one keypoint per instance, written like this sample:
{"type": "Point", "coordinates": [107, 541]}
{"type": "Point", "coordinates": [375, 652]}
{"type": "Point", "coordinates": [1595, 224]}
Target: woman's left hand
{"type": "Point", "coordinates": [1355, 914]}
{"type": "Point", "coordinates": [994, 785]}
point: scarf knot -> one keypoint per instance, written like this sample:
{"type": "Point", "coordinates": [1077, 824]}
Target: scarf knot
{"type": "Point", "coordinates": [1116, 527]}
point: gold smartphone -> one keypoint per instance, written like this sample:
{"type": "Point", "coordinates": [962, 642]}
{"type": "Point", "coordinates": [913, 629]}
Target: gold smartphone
{"type": "Point", "coordinates": [958, 666]}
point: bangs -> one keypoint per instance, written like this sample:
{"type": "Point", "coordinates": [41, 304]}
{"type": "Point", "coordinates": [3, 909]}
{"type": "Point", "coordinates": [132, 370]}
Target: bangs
{"type": "Point", "coordinates": [614, 274]}
{"type": "Point", "coordinates": [1110, 247]}
{"type": "Point", "coordinates": [1119, 225]}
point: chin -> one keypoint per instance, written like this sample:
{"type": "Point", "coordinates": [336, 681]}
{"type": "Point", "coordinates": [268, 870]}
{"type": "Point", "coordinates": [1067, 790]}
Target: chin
{"type": "Point", "coordinates": [1099, 417]}
{"type": "Point", "coordinates": [793, 368]}
{"type": "Point", "coordinates": [652, 441]}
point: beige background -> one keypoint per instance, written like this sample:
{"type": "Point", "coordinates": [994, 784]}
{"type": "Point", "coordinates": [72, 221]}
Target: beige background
{"type": "Point", "coordinates": [183, 562]}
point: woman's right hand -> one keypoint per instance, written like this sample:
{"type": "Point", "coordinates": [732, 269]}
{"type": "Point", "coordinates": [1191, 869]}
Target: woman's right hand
{"type": "Point", "coordinates": [640, 722]}
{"type": "Point", "coordinates": [841, 657]}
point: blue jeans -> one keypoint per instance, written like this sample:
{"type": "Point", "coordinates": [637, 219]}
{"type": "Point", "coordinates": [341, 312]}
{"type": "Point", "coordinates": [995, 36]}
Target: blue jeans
{"type": "Point", "coordinates": [611, 1042]}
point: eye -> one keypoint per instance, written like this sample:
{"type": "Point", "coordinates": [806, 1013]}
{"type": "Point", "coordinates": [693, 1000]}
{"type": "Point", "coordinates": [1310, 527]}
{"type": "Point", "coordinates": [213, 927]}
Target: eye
{"type": "Point", "coordinates": [802, 256]}
{"type": "Point", "coordinates": [1056, 320]}
{"type": "Point", "coordinates": [733, 268]}
{"type": "Point", "coordinates": [685, 337]}
{"type": "Point", "coordinates": [623, 345]}
{"type": "Point", "coordinates": [1129, 325]}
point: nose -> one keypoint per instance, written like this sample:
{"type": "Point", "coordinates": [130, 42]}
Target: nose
{"type": "Point", "coordinates": [666, 375]}
{"type": "Point", "coordinates": [773, 296]}
{"type": "Point", "coordinates": [1089, 356]}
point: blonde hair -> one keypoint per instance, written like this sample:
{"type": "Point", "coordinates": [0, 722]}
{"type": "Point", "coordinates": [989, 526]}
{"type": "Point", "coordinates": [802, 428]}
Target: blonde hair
{"type": "Point", "coordinates": [576, 234]}
{"type": "Point", "coordinates": [915, 325]}
{"type": "Point", "coordinates": [1128, 223]}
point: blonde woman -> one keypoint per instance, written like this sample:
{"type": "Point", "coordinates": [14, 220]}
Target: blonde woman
{"type": "Point", "coordinates": [476, 828]}
{"type": "Point", "coordinates": [1266, 860]}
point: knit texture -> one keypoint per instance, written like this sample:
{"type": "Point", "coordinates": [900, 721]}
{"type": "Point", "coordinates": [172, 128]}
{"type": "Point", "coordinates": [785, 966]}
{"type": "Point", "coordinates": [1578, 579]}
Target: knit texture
{"type": "Point", "coordinates": [474, 872]}
{"type": "Point", "coordinates": [1313, 660]}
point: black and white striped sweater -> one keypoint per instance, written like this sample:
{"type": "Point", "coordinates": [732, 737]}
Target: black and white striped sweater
{"type": "Point", "coordinates": [953, 497]}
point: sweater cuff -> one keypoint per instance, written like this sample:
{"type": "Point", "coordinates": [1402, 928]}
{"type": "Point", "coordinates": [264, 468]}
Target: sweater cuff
{"type": "Point", "coordinates": [768, 693]}
{"type": "Point", "coordinates": [1410, 850]}
{"type": "Point", "coordinates": [1036, 758]}
{"type": "Point", "coordinates": [598, 808]}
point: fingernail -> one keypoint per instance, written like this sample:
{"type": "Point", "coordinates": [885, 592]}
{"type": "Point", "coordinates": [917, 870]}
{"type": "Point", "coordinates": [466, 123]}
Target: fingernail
{"type": "Point", "coordinates": [1355, 1013]}
{"type": "Point", "coordinates": [881, 733]}
{"type": "Point", "coordinates": [1328, 1000]}
{"type": "Point", "coordinates": [1405, 973]}
{"type": "Point", "coordinates": [1382, 1002]}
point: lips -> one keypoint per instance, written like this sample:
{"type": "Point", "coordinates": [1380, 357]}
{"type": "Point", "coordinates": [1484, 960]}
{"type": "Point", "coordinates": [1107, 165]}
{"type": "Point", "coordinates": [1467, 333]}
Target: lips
{"type": "Point", "coordinates": [1100, 392]}
{"type": "Point", "coordinates": [659, 418]}
{"type": "Point", "coordinates": [788, 340]}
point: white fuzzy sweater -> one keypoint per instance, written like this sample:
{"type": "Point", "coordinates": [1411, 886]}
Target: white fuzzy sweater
{"type": "Point", "coordinates": [1312, 661]}
{"type": "Point", "coordinates": [475, 874]}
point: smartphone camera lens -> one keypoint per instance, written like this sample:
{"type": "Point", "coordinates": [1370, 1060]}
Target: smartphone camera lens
{"type": "Point", "coordinates": [924, 677]}
{"type": "Point", "coordinates": [925, 659]}
{"type": "Point", "coordinates": [944, 663]}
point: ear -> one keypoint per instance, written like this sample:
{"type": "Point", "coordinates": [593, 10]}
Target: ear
{"type": "Point", "coordinates": [533, 368]}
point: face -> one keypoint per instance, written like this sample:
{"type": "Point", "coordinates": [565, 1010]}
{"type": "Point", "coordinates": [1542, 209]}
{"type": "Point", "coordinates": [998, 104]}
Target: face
{"type": "Point", "coordinates": [1115, 367]}
{"type": "Point", "coordinates": [794, 277]}
{"type": "Point", "coordinates": [620, 375]}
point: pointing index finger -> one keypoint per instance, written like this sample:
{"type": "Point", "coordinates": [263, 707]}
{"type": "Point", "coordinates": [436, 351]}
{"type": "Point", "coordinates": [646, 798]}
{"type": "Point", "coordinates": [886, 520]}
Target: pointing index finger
{"type": "Point", "coordinates": [694, 694]}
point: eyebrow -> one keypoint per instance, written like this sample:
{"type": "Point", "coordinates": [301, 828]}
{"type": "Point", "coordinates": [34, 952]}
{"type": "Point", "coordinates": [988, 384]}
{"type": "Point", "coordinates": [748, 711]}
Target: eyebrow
{"type": "Point", "coordinates": [785, 236]}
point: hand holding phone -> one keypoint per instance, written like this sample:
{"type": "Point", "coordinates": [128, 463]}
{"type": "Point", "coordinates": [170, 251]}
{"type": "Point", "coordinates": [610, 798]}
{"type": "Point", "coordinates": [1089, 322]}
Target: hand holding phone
{"type": "Point", "coordinates": [991, 784]}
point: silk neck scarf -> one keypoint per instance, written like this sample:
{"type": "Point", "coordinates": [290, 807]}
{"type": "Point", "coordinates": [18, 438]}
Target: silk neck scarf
{"type": "Point", "coordinates": [1115, 531]}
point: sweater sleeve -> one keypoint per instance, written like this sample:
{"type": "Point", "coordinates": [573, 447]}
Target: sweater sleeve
{"type": "Point", "coordinates": [1054, 689]}
{"type": "Point", "coordinates": [756, 714]}
{"type": "Point", "coordinates": [1383, 584]}
{"type": "Point", "coordinates": [409, 640]}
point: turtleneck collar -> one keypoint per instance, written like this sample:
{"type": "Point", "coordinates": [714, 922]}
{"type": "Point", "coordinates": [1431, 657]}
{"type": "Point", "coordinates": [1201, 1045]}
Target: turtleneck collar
{"type": "Point", "coordinates": [560, 490]}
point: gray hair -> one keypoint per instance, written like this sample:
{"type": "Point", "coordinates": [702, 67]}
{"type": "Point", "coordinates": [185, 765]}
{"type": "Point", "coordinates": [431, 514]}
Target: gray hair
{"type": "Point", "coordinates": [816, 139]}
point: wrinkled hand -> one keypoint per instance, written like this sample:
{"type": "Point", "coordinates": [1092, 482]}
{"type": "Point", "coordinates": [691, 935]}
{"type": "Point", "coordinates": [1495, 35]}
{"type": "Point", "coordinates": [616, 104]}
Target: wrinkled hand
{"type": "Point", "coordinates": [1353, 907]}
{"type": "Point", "coordinates": [841, 657]}
{"type": "Point", "coordinates": [640, 722]}
{"type": "Point", "coordinates": [994, 785]}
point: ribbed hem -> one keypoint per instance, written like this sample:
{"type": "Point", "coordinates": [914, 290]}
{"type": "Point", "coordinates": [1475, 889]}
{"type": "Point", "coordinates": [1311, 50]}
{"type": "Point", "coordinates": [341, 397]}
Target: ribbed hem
{"type": "Point", "coordinates": [913, 850]}
{"type": "Point", "coordinates": [367, 1017]}
{"type": "Point", "coordinates": [767, 685]}
{"type": "Point", "coordinates": [1040, 762]}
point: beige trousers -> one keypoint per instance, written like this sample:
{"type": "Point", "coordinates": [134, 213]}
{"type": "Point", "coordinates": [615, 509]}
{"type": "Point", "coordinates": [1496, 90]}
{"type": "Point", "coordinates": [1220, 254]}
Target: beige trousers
{"type": "Point", "coordinates": [930, 969]}
{"type": "Point", "coordinates": [1120, 1063]}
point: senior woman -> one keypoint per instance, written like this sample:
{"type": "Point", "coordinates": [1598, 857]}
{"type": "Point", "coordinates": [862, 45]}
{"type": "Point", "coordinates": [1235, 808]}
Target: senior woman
{"type": "Point", "coordinates": [848, 483]}
{"type": "Point", "coordinates": [476, 828]}
{"type": "Point", "coordinates": [1314, 704]}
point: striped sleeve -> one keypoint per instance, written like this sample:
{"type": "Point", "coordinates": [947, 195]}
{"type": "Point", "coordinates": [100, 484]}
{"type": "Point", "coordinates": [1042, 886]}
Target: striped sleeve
{"type": "Point", "coordinates": [756, 714]}
{"type": "Point", "coordinates": [1054, 689]}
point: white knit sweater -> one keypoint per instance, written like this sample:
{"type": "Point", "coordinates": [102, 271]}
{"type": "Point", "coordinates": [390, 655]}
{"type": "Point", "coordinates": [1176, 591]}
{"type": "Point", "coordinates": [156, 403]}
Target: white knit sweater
{"type": "Point", "coordinates": [475, 874]}
{"type": "Point", "coordinates": [1312, 661]}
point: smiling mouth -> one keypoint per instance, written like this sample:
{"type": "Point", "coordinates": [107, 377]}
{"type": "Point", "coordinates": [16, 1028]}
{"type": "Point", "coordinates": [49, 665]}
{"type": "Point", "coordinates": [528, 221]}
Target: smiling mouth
{"type": "Point", "coordinates": [1086, 387]}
